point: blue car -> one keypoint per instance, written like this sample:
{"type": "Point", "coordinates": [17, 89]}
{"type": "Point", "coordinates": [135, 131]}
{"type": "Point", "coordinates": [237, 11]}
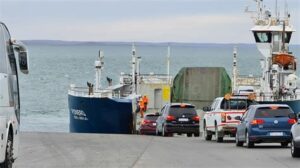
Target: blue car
{"type": "Point", "coordinates": [268, 123]}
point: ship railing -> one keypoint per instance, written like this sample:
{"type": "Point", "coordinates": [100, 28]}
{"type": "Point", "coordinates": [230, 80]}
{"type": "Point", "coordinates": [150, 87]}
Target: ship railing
{"type": "Point", "coordinates": [269, 96]}
{"type": "Point", "coordinates": [244, 80]}
{"type": "Point", "coordinates": [84, 92]}
{"type": "Point", "coordinates": [156, 78]}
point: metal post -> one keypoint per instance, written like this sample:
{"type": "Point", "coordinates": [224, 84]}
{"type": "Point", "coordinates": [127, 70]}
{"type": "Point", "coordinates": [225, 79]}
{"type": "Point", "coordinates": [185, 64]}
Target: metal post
{"type": "Point", "coordinates": [168, 62]}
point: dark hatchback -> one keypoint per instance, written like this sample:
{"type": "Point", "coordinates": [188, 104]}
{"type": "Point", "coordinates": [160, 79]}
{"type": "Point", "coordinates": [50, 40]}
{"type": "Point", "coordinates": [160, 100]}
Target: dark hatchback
{"type": "Point", "coordinates": [178, 118]}
{"type": "Point", "coordinates": [265, 123]}
{"type": "Point", "coordinates": [295, 143]}
{"type": "Point", "coordinates": [148, 125]}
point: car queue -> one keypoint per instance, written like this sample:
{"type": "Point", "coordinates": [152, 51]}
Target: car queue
{"type": "Point", "coordinates": [240, 117]}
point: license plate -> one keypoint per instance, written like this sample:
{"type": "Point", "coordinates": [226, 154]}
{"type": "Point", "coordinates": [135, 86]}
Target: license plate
{"type": "Point", "coordinates": [183, 119]}
{"type": "Point", "coordinates": [276, 133]}
{"type": "Point", "coordinates": [154, 124]}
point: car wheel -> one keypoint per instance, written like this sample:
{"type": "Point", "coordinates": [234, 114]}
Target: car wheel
{"type": "Point", "coordinates": [237, 141]}
{"type": "Point", "coordinates": [9, 153]}
{"type": "Point", "coordinates": [189, 134]}
{"type": "Point", "coordinates": [218, 138]}
{"type": "Point", "coordinates": [207, 136]}
{"type": "Point", "coordinates": [284, 144]}
{"type": "Point", "coordinates": [196, 134]}
{"type": "Point", "coordinates": [294, 150]}
{"type": "Point", "coordinates": [249, 144]}
{"type": "Point", "coordinates": [164, 131]}
{"type": "Point", "coordinates": [157, 132]}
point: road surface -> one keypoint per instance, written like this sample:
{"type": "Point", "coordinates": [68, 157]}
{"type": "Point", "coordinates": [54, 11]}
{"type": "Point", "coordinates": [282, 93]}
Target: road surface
{"type": "Point", "coordinates": [64, 150]}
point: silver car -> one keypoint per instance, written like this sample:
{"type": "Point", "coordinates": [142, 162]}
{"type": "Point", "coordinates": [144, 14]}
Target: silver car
{"type": "Point", "coordinates": [295, 130]}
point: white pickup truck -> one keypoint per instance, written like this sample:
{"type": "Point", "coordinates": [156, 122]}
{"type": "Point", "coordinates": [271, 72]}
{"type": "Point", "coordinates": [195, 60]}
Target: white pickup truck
{"type": "Point", "coordinates": [219, 118]}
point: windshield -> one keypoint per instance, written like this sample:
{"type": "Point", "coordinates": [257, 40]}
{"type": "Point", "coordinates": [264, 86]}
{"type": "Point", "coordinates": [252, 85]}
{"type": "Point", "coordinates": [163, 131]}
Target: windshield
{"type": "Point", "coordinates": [236, 104]}
{"type": "Point", "coordinates": [179, 111]}
{"type": "Point", "coordinates": [272, 112]}
{"type": "Point", "coordinates": [151, 117]}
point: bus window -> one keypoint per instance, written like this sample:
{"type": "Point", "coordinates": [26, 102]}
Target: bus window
{"type": "Point", "coordinates": [3, 59]}
{"type": "Point", "coordinates": [12, 72]}
{"type": "Point", "coordinates": [12, 66]}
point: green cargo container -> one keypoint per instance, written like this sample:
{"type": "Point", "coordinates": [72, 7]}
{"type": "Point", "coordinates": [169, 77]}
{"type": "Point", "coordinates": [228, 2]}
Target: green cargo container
{"type": "Point", "coordinates": [200, 85]}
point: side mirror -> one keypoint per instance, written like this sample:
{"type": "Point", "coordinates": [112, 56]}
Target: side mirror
{"type": "Point", "coordinates": [23, 62]}
{"type": "Point", "coordinates": [238, 118]}
{"type": "Point", "coordinates": [206, 109]}
{"type": "Point", "coordinates": [23, 56]}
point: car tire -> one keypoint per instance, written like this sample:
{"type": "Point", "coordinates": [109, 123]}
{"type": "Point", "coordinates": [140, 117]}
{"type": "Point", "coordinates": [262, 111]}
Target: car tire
{"type": "Point", "coordinates": [9, 153]}
{"type": "Point", "coordinates": [157, 132]}
{"type": "Point", "coordinates": [196, 134]}
{"type": "Point", "coordinates": [248, 143]}
{"type": "Point", "coordinates": [238, 142]}
{"type": "Point", "coordinates": [164, 133]}
{"type": "Point", "coordinates": [218, 138]}
{"type": "Point", "coordinates": [207, 136]}
{"type": "Point", "coordinates": [189, 134]}
{"type": "Point", "coordinates": [284, 144]}
{"type": "Point", "coordinates": [294, 150]}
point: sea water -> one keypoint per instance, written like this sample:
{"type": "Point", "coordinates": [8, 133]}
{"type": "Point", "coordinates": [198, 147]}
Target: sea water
{"type": "Point", "coordinates": [44, 98]}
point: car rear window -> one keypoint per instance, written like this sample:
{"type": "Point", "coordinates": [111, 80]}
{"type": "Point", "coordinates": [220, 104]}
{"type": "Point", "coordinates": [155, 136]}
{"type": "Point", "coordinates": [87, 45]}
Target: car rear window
{"type": "Point", "coordinates": [151, 117]}
{"type": "Point", "coordinates": [272, 112]}
{"type": "Point", "coordinates": [236, 104]}
{"type": "Point", "coordinates": [178, 111]}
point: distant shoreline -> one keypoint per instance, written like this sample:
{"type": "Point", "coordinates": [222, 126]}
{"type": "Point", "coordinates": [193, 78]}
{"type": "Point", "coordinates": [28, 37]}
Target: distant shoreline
{"type": "Point", "coordinates": [61, 42]}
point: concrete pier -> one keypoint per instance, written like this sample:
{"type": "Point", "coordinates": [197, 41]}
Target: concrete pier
{"type": "Point", "coordinates": [65, 150]}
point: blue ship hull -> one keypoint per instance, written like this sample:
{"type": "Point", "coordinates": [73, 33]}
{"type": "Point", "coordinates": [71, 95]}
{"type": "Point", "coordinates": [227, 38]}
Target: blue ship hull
{"type": "Point", "coordinates": [294, 104]}
{"type": "Point", "coordinates": [100, 115]}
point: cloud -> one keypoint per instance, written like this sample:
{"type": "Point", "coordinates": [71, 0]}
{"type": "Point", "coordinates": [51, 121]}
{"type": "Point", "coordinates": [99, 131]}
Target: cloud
{"type": "Point", "coordinates": [193, 28]}
{"type": "Point", "coordinates": [187, 28]}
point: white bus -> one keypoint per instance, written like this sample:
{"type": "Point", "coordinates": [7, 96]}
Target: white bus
{"type": "Point", "coordinates": [9, 95]}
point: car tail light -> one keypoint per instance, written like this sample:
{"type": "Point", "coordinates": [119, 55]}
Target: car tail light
{"type": "Point", "coordinates": [196, 118]}
{"type": "Point", "coordinates": [291, 121]}
{"type": "Point", "coordinates": [146, 122]}
{"type": "Point", "coordinates": [257, 122]}
{"type": "Point", "coordinates": [223, 117]}
{"type": "Point", "coordinates": [170, 118]}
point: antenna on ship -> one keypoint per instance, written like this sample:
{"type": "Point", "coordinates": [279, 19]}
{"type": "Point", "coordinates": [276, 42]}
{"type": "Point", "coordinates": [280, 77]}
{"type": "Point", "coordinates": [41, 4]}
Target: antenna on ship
{"type": "Point", "coordinates": [133, 69]}
{"type": "Point", "coordinates": [99, 66]}
{"type": "Point", "coordinates": [168, 62]}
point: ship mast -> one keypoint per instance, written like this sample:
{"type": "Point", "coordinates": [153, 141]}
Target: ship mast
{"type": "Point", "coordinates": [234, 69]}
{"type": "Point", "coordinates": [99, 66]}
{"type": "Point", "coordinates": [134, 71]}
{"type": "Point", "coordinates": [168, 62]}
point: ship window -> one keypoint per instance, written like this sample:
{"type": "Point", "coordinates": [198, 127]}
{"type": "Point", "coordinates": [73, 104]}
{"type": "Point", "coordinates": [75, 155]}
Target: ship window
{"type": "Point", "coordinates": [3, 60]}
{"type": "Point", "coordinates": [288, 36]}
{"type": "Point", "coordinates": [262, 37]}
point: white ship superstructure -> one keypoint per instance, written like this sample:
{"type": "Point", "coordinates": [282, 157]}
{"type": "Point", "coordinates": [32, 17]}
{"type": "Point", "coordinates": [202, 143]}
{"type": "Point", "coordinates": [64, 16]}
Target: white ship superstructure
{"type": "Point", "coordinates": [272, 33]}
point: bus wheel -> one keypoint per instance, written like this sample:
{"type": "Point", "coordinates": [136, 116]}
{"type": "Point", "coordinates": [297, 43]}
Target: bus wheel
{"type": "Point", "coordinates": [9, 153]}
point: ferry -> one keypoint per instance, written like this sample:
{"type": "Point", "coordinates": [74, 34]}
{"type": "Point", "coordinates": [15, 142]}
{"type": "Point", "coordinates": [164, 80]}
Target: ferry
{"type": "Point", "coordinates": [94, 109]}
{"type": "Point", "coordinates": [278, 81]}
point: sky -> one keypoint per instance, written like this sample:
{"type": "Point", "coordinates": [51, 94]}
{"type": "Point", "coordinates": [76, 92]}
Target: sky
{"type": "Point", "coordinates": [189, 21]}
